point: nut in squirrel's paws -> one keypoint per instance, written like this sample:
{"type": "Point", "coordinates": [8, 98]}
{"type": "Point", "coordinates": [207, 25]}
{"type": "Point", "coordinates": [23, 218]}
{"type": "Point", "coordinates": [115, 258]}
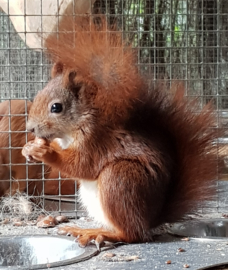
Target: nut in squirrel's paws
{"type": "Point", "coordinates": [35, 150]}
{"type": "Point", "coordinates": [26, 151]}
{"type": "Point", "coordinates": [30, 159]}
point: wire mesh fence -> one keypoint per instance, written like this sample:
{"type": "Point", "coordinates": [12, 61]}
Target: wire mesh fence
{"type": "Point", "coordinates": [182, 40]}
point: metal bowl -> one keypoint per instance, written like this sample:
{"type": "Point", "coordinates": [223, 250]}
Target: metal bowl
{"type": "Point", "coordinates": [208, 228]}
{"type": "Point", "coordinates": [41, 251]}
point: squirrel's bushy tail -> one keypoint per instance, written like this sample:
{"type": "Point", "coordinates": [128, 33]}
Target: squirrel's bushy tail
{"type": "Point", "coordinates": [188, 134]}
{"type": "Point", "coordinates": [195, 135]}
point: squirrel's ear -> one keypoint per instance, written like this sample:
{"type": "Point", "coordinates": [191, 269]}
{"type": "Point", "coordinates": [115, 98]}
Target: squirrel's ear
{"type": "Point", "coordinates": [69, 81]}
{"type": "Point", "coordinates": [71, 76]}
{"type": "Point", "coordinates": [72, 85]}
{"type": "Point", "coordinates": [57, 69]}
{"type": "Point", "coordinates": [68, 78]}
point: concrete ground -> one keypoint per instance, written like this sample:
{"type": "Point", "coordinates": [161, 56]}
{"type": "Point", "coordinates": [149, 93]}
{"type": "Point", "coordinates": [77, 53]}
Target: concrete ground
{"type": "Point", "coordinates": [165, 253]}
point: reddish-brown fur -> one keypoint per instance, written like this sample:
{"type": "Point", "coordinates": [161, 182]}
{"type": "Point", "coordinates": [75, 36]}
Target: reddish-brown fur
{"type": "Point", "coordinates": [14, 112]}
{"type": "Point", "coordinates": [18, 111]}
{"type": "Point", "coordinates": [58, 186]}
{"type": "Point", "coordinates": [150, 152]}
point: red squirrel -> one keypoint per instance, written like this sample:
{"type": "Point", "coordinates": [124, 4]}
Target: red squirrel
{"type": "Point", "coordinates": [144, 157]}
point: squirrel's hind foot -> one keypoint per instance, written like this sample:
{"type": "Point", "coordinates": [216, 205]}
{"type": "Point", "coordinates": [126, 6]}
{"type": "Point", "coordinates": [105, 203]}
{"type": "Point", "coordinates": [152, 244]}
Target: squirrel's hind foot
{"type": "Point", "coordinates": [85, 236]}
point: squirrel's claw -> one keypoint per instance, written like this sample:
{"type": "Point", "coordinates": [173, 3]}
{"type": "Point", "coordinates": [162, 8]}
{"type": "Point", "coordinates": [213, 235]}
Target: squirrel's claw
{"type": "Point", "coordinates": [86, 236]}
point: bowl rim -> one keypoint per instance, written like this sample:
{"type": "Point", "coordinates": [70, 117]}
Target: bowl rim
{"type": "Point", "coordinates": [173, 229]}
{"type": "Point", "coordinates": [89, 251]}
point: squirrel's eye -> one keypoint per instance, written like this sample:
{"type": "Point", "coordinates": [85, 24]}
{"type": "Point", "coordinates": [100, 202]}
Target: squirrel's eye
{"type": "Point", "coordinates": [56, 108]}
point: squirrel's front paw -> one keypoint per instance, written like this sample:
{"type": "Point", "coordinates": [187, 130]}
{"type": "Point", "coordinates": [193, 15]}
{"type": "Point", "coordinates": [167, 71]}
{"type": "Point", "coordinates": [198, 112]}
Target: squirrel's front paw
{"type": "Point", "coordinates": [37, 150]}
{"type": "Point", "coordinates": [26, 151]}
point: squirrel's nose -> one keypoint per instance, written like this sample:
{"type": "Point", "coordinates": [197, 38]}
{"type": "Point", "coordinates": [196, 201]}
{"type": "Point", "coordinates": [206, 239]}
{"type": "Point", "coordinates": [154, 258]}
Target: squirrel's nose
{"type": "Point", "coordinates": [30, 127]}
{"type": "Point", "coordinates": [31, 130]}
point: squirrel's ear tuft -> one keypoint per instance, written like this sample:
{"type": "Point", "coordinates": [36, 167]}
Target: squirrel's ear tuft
{"type": "Point", "coordinates": [57, 69]}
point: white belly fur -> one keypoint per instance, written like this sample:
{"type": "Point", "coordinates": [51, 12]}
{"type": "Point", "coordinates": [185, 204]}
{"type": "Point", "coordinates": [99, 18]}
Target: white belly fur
{"type": "Point", "coordinates": [64, 142]}
{"type": "Point", "coordinates": [89, 196]}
